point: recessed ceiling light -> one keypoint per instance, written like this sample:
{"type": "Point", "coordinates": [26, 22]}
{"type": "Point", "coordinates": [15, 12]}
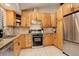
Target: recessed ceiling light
{"type": "Point", "coordinates": [7, 4]}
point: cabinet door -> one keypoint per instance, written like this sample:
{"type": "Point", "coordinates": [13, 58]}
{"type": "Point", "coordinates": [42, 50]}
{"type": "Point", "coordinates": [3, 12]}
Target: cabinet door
{"type": "Point", "coordinates": [10, 18]}
{"type": "Point", "coordinates": [75, 6]}
{"type": "Point", "coordinates": [25, 19]}
{"type": "Point", "coordinates": [60, 34]}
{"type": "Point", "coordinates": [16, 47]}
{"type": "Point", "coordinates": [33, 15]}
{"type": "Point", "coordinates": [67, 8]}
{"type": "Point", "coordinates": [48, 39]}
{"type": "Point", "coordinates": [23, 41]}
{"type": "Point", "coordinates": [59, 14]}
{"type": "Point", "coordinates": [55, 39]}
{"type": "Point", "coordinates": [59, 30]}
{"type": "Point", "coordinates": [46, 21]}
{"type": "Point", "coordinates": [53, 20]}
{"type": "Point", "coordinates": [28, 41]}
{"type": "Point", "coordinates": [40, 17]}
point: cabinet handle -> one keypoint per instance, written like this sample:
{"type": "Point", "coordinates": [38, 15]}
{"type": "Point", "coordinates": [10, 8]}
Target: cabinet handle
{"type": "Point", "coordinates": [72, 9]}
{"type": "Point", "coordinates": [18, 43]}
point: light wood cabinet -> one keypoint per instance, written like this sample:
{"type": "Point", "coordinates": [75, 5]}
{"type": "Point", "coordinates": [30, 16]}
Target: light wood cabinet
{"type": "Point", "coordinates": [59, 14]}
{"type": "Point", "coordinates": [39, 16]}
{"type": "Point", "coordinates": [46, 21]}
{"type": "Point", "coordinates": [48, 39]}
{"type": "Point", "coordinates": [10, 18]}
{"type": "Point", "coordinates": [55, 39]}
{"type": "Point", "coordinates": [28, 41]}
{"type": "Point", "coordinates": [75, 6]}
{"type": "Point", "coordinates": [25, 19]}
{"type": "Point", "coordinates": [33, 16]}
{"type": "Point", "coordinates": [16, 47]}
{"type": "Point", "coordinates": [45, 18]}
{"type": "Point", "coordinates": [53, 20]}
{"type": "Point", "coordinates": [67, 8]}
{"type": "Point", "coordinates": [22, 41]}
{"type": "Point", "coordinates": [60, 35]}
{"type": "Point", "coordinates": [59, 32]}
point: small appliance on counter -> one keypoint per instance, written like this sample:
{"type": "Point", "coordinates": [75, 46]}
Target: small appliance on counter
{"type": "Point", "coordinates": [54, 29]}
{"type": "Point", "coordinates": [50, 30]}
{"type": "Point", "coordinates": [1, 34]}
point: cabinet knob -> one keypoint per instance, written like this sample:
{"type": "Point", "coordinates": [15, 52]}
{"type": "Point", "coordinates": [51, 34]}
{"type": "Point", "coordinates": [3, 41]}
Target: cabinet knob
{"type": "Point", "coordinates": [72, 9]}
{"type": "Point", "coordinates": [18, 43]}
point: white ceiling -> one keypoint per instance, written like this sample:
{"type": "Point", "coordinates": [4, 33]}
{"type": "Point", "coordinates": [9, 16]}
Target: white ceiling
{"type": "Point", "coordinates": [17, 7]}
{"type": "Point", "coordinates": [36, 5]}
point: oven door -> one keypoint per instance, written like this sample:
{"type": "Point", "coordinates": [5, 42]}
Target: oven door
{"type": "Point", "coordinates": [37, 41]}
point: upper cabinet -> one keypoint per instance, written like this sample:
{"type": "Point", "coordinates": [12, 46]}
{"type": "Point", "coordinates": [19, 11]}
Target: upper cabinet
{"type": "Point", "coordinates": [53, 19]}
{"type": "Point", "coordinates": [46, 21]}
{"type": "Point", "coordinates": [70, 8]}
{"type": "Point", "coordinates": [10, 18]}
{"type": "Point", "coordinates": [75, 6]}
{"type": "Point", "coordinates": [27, 18]}
{"type": "Point", "coordinates": [67, 8]}
{"type": "Point", "coordinates": [59, 14]}
{"type": "Point", "coordinates": [23, 19]}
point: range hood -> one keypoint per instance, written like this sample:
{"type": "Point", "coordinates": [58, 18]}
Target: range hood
{"type": "Point", "coordinates": [35, 25]}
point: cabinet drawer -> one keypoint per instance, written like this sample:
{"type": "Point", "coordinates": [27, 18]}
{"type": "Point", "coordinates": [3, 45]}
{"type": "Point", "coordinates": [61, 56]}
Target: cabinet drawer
{"type": "Point", "coordinates": [28, 40]}
{"type": "Point", "coordinates": [28, 45]}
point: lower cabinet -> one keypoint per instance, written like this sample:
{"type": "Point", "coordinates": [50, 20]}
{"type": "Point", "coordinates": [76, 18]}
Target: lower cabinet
{"type": "Point", "coordinates": [28, 41]}
{"type": "Point", "coordinates": [25, 41]}
{"type": "Point", "coordinates": [48, 39]}
{"type": "Point", "coordinates": [16, 47]}
{"type": "Point", "coordinates": [22, 41]}
{"type": "Point", "coordinates": [54, 39]}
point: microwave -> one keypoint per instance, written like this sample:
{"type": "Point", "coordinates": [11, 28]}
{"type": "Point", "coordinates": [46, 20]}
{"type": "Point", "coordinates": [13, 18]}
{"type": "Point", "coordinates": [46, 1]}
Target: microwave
{"type": "Point", "coordinates": [1, 33]}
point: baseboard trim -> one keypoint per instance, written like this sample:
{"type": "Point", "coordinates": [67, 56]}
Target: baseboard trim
{"type": "Point", "coordinates": [72, 41]}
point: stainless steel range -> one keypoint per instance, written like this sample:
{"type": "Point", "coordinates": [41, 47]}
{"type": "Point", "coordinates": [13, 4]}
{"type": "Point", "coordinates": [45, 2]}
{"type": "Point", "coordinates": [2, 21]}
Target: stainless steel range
{"type": "Point", "coordinates": [37, 37]}
{"type": "Point", "coordinates": [37, 33]}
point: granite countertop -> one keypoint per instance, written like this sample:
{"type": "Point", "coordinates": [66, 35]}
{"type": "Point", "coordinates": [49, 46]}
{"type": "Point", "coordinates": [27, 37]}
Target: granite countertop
{"type": "Point", "coordinates": [6, 41]}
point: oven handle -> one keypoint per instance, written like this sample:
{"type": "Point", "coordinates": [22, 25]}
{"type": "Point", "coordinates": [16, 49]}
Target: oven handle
{"type": "Point", "coordinates": [37, 36]}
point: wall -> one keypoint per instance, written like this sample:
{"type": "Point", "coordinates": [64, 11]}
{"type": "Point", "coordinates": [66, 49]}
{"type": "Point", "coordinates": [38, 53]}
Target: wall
{"type": "Point", "coordinates": [3, 15]}
{"type": "Point", "coordinates": [46, 9]}
{"type": "Point", "coordinates": [49, 9]}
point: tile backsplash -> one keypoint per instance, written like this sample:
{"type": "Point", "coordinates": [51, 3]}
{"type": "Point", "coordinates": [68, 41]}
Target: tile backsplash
{"type": "Point", "coordinates": [10, 31]}
{"type": "Point", "coordinates": [48, 30]}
